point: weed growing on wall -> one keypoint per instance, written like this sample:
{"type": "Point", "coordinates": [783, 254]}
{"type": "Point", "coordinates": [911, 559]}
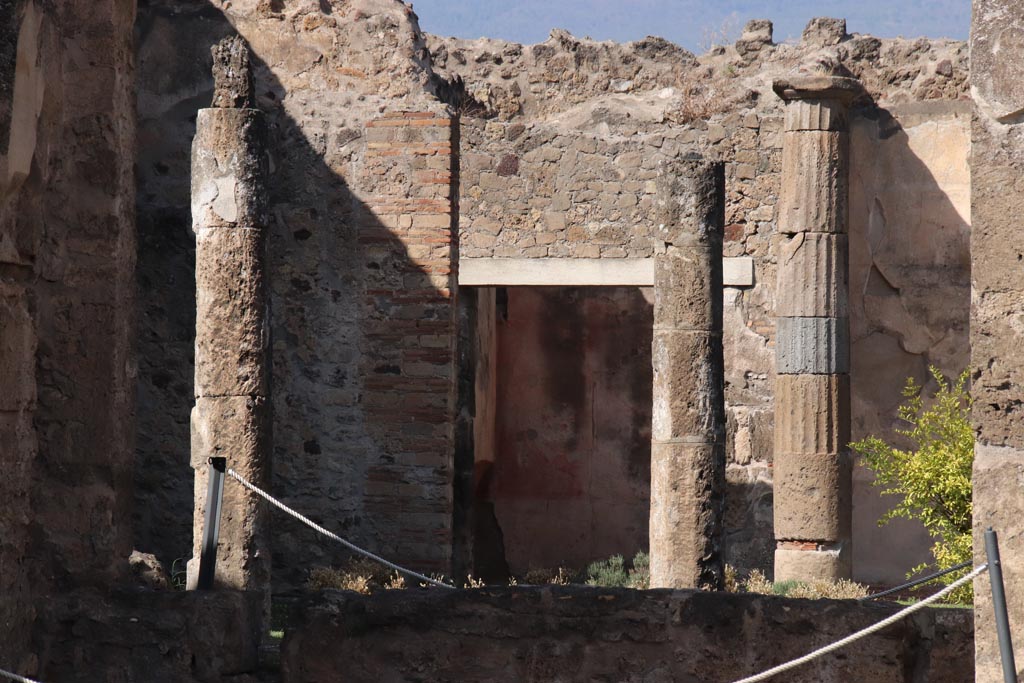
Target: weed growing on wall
{"type": "Point", "coordinates": [931, 480]}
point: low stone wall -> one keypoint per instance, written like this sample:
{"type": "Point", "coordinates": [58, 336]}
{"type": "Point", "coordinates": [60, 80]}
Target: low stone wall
{"type": "Point", "coordinates": [572, 633]}
{"type": "Point", "coordinates": [136, 635]}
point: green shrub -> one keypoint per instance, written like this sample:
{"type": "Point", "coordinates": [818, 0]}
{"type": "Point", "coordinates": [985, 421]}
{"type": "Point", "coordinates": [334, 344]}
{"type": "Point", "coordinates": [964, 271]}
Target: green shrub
{"type": "Point", "coordinates": [613, 572]}
{"type": "Point", "coordinates": [933, 478]}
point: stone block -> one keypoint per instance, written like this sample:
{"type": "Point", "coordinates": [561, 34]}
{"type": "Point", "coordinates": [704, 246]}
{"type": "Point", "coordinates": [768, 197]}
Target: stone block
{"type": "Point", "coordinates": [812, 276]}
{"type": "Point", "coordinates": [813, 196]}
{"type": "Point", "coordinates": [824, 31]}
{"type": "Point", "coordinates": [812, 413]}
{"type": "Point", "coordinates": [582, 633]}
{"type": "Point", "coordinates": [825, 563]}
{"type": "Point", "coordinates": [998, 480]}
{"type": "Point", "coordinates": [687, 498]}
{"type": "Point", "coordinates": [811, 493]}
{"type": "Point", "coordinates": [243, 549]}
{"type": "Point", "coordinates": [814, 346]}
{"type": "Point", "coordinates": [234, 427]}
{"type": "Point", "coordinates": [228, 169]}
{"type": "Point", "coordinates": [688, 392]}
{"type": "Point", "coordinates": [996, 167]}
{"type": "Point", "coordinates": [17, 350]}
{"type": "Point", "coordinates": [231, 313]}
{"type": "Point", "coordinates": [816, 114]}
{"type": "Point", "coordinates": [690, 205]}
{"type": "Point", "coordinates": [687, 289]}
{"type": "Point", "coordinates": [997, 75]}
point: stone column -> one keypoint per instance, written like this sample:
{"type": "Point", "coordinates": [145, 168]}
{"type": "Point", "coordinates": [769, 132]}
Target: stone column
{"type": "Point", "coordinates": [812, 381]}
{"type": "Point", "coordinates": [997, 299]}
{"type": "Point", "coordinates": [688, 421]}
{"type": "Point", "coordinates": [231, 418]}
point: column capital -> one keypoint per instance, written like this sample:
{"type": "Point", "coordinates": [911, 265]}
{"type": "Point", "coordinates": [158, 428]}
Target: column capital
{"type": "Point", "coordinates": [818, 86]}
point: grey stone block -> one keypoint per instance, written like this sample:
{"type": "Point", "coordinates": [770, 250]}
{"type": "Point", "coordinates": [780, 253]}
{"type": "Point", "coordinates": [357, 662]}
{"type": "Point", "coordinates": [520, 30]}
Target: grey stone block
{"type": "Point", "coordinates": [812, 346]}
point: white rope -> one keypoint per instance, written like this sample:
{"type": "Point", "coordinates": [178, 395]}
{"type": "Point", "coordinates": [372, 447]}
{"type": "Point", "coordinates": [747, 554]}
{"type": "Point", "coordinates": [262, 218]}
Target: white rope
{"type": "Point", "coordinates": [865, 632]}
{"type": "Point", "coordinates": [313, 525]}
{"type": "Point", "coordinates": [15, 677]}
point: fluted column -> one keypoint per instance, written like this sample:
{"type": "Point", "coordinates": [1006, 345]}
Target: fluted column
{"type": "Point", "coordinates": [688, 422]}
{"type": "Point", "coordinates": [231, 418]}
{"type": "Point", "coordinates": [812, 488]}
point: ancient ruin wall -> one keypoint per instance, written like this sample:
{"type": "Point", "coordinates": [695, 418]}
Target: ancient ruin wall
{"type": "Point", "coordinates": [360, 177]}
{"type": "Point", "coordinates": [563, 633]}
{"type": "Point", "coordinates": [66, 256]}
{"type": "Point", "coordinates": [560, 143]}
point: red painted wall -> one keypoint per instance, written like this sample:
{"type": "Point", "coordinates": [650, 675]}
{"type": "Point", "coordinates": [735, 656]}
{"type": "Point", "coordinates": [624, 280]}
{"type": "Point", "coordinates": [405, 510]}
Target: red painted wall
{"type": "Point", "coordinates": [570, 481]}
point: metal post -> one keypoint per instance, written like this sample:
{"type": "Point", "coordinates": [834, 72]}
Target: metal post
{"type": "Point", "coordinates": [995, 577]}
{"type": "Point", "coordinates": [211, 523]}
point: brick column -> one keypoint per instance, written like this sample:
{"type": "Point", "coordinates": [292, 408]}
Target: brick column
{"type": "Point", "coordinates": [688, 421]}
{"type": "Point", "coordinates": [231, 417]}
{"type": "Point", "coordinates": [408, 361]}
{"type": "Point", "coordinates": [997, 293]}
{"type": "Point", "coordinates": [812, 382]}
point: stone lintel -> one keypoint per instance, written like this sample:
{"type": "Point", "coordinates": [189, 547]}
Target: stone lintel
{"type": "Point", "coordinates": [737, 271]}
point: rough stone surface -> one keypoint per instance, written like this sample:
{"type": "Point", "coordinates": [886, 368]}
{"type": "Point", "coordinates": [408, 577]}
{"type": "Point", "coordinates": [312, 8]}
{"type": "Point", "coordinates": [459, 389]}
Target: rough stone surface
{"type": "Point", "coordinates": [232, 75]}
{"type": "Point", "coordinates": [818, 418]}
{"type": "Point", "coordinates": [688, 412]}
{"type": "Point", "coordinates": [812, 496]}
{"type": "Point", "coordinates": [687, 500]}
{"type": "Point", "coordinates": [812, 276]}
{"type": "Point", "coordinates": [823, 31]}
{"type": "Point", "coordinates": [228, 169]}
{"type": "Point", "coordinates": [818, 563]}
{"type": "Point", "coordinates": [817, 346]}
{"type": "Point", "coordinates": [142, 635]}
{"type": "Point", "coordinates": [995, 326]}
{"type": "Point", "coordinates": [571, 633]}
{"type": "Point", "coordinates": [813, 197]}
{"type": "Point", "coordinates": [67, 251]}
{"type": "Point", "coordinates": [232, 316]}
{"type": "Point", "coordinates": [996, 39]}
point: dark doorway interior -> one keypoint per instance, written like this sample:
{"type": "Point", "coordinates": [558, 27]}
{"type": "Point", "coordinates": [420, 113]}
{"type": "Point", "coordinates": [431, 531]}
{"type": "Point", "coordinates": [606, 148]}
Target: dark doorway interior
{"type": "Point", "coordinates": [560, 379]}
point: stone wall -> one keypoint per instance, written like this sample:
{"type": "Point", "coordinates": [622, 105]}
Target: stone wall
{"type": "Point", "coordinates": [361, 232]}
{"type": "Point", "coordinates": [996, 332]}
{"type": "Point", "coordinates": [574, 633]}
{"type": "Point", "coordinates": [559, 142]}
{"type": "Point", "coordinates": [67, 141]}
{"type": "Point", "coordinates": [559, 147]}
{"type": "Point", "coordinates": [142, 635]}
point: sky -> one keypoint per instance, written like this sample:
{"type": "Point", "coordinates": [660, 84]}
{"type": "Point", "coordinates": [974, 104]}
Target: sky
{"type": "Point", "coordinates": [686, 22]}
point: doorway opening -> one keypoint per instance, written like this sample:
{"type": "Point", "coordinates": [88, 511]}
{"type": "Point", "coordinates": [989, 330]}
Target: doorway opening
{"type": "Point", "coordinates": [554, 430]}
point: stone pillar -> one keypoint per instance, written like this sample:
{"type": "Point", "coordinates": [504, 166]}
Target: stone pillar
{"type": "Point", "coordinates": [812, 382]}
{"type": "Point", "coordinates": [997, 293]}
{"type": "Point", "coordinates": [231, 417]}
{"type": "Point", "coordinates": [688, 421]}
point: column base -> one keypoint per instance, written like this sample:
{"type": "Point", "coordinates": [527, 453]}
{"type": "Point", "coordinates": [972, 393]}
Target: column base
{"type": "Point", "coordinates": [818, 562]}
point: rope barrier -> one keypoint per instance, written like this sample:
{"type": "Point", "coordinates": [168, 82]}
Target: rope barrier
{"type": "Point", "coordinates": [917, 582]}
{"type": "Point", "coordinates": [16, 677]}
{"type": "Point", "coordinates": [865, 632]}
{"type": "Point", "coordinates": [334, 537]}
